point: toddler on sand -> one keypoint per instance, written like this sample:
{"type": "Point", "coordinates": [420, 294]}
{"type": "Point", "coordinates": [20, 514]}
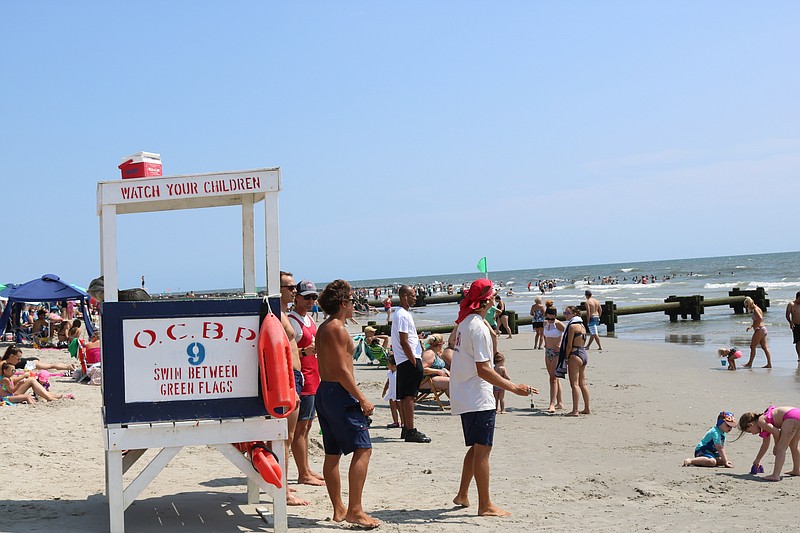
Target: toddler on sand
{"type": "Point", "coordinates": [500, 394]}
{"type": "Point", "coordinates": [782, 423]}
{"type": "Point", "coordinates": [390, 391]}
{"type": "Point", "coordinates": [732, 354]}
{"type": "Point", "coordinates": [710, 451]}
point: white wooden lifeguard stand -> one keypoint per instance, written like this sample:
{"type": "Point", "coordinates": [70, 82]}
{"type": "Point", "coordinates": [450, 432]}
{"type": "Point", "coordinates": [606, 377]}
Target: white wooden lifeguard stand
{"type": "Point", "coordinates": [142, 195]}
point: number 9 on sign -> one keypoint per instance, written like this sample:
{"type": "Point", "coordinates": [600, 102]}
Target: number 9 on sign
{"type": "Point", "coordinates": [197, 353]}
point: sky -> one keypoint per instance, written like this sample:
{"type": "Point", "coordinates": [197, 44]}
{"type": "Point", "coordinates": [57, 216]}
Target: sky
{"type": "Point", "coordinates": [413, 138]}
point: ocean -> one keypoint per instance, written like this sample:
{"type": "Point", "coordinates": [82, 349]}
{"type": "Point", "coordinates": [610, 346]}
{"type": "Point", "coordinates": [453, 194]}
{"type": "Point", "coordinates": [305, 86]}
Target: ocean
{"type": "Point", "coordinates": [778, 273]}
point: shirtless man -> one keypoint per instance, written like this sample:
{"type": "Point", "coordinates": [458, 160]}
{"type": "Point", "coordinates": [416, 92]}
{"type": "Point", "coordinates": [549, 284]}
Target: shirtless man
{"type": "Point", "coordinates": [593, 313]}
{"type": "Point", "coordinates": [342, 407]}
{"type": "Point", "coordinates": [40, 328]}
{"type": "Point", "coordinates": [793, 317]}
{"type": "Point", "coordinates": [288, 290]}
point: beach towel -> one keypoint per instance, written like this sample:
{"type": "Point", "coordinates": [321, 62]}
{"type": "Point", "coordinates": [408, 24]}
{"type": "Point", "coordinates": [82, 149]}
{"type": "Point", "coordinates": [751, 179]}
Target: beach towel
{"type": "Point", "coordinates": [561, 368]}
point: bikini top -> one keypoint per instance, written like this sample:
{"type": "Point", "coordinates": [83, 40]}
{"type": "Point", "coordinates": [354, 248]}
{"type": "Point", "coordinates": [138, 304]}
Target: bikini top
{"type": "Point", "coordinates": [551, 331]}
{"type": "Point", "coordinates": [438, 362]}
{"type": "Point", "coordinates": [770, 419]}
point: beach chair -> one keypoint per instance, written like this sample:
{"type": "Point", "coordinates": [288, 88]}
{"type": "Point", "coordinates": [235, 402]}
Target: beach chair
{"type": "Point", "coordinates": [375, 352]}
{"type": "Point", "coordinates": [427, 391]}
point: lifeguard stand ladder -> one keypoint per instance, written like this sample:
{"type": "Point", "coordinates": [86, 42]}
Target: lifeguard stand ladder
{"type": "Point", "coordinates": [170, 425]}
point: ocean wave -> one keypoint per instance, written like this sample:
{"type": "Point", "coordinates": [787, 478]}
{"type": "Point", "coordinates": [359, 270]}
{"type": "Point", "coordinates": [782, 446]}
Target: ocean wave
{"type": "Point", "coordinates": [740, 266]}
{"type": "Point", "coordinates": [720, 285]}
{"type": "Point", "coordinates": [773, 285]}
{"type": "Point", "coordinates": [627, 269]}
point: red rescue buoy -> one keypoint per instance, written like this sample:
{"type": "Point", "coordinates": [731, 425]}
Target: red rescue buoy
{"type": "Point", "coordinates": [264, 461]}
{"type": "Point", "coordinates": [275, 368]}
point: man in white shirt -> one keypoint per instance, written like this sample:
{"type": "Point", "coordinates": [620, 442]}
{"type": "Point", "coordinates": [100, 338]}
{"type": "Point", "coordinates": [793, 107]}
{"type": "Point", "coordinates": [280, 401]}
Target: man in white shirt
{"type": "Point", "coordinates": [408, 356]}
{"type": "Point", "coordinates": [471, 379]}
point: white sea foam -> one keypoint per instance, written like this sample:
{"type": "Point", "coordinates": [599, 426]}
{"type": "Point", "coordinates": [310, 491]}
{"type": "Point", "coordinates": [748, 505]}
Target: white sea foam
{"type": "Point", "coordinates": [720, 285]}
{"type": "Point", "coordinates": [773, 285]}
{"type": "Point", "coordinates": [740, 266]}
{"type": "Point", "coordinates": [626, 269]}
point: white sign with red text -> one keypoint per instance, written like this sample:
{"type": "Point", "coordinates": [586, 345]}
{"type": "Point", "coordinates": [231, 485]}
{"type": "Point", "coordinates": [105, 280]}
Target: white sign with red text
{"type": "Point", "coordinates": [190, 358]}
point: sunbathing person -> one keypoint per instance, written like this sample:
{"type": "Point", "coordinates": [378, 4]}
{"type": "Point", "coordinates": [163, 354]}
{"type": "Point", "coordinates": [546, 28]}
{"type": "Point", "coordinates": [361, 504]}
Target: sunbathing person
{"type": "Point", "coordinates": [16, 386]}
{"type": "Point", "coordinates": [433, 364]}
{"type": "Point", "coordinates": [13, 355]}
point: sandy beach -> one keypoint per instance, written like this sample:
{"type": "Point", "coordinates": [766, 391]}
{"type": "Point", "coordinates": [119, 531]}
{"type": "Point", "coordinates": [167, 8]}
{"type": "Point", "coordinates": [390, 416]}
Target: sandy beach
{"type": "Point", "coordinates": [617, 469]}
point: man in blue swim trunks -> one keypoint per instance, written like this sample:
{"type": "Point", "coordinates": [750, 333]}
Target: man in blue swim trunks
{"type": "Point", "coordinates": [471, 395]}
{"type": "Point", "coordinates": [593, 313]}
{"type": "Point", "coordinates": [342, 407]}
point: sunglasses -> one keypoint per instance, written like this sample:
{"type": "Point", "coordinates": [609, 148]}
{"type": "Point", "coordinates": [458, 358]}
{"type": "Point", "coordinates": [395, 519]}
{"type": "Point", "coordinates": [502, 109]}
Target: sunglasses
{"type": "Point", "coordinates": [310, 297]}
{"type": "Point", "coordinates": [550, 319]}
{"type": "Point", "coordinates": [291, 288]}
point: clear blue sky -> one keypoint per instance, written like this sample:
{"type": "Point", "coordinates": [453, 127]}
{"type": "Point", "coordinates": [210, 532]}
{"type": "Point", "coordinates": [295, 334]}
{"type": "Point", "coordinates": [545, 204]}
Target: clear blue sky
{"type": "Point", "coordinates": [413, 137]}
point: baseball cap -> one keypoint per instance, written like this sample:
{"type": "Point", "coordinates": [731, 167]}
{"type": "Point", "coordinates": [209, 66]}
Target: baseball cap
{"type": "Point", "coordinates": [727, 417]}
{"type": "Point", "coordinates": [304, 288]}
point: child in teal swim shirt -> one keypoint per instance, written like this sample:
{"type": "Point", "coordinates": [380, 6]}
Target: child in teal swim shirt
{"type": "Point", "coordinates": [710, 451]}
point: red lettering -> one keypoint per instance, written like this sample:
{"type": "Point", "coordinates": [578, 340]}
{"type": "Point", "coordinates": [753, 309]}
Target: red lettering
{"type": "Point", "coordinates": [170, 333]}
{"type": "Point", "coordinates": [250, 335]}
{"type": "Point", "coordinates": [149, 332]}
{"type": "Point", "coordinates": [209, 327]}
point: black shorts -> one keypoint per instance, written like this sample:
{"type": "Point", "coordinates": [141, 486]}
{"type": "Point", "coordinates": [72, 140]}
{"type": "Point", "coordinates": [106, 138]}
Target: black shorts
{"type": "Point", "coordinates": [796, 334]}
{"type": "Point", "coordinates": [408, 378]}
{"type": "Point", "coordinates": [23, 361]}
{"type": "Point", "coordinates": [537, 325]}
{"type": "Point", "coordinates": [478, 427]}
{"type": "Point", "coordinates": [298, 381]}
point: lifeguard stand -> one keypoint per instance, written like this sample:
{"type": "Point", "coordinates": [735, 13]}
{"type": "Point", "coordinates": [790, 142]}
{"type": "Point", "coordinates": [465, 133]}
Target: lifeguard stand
{"type": "Point", "coordinates": [171, 335]}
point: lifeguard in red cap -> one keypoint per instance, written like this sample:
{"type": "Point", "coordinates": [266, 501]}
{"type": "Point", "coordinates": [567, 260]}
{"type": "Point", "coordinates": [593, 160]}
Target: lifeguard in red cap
{"type": "Point", "coordinates": [471, 394]}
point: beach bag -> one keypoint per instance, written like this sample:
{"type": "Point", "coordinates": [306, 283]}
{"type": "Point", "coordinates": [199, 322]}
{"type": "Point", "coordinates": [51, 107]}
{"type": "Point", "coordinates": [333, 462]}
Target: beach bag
{"type": "Point", "coordinates": [95, 375]}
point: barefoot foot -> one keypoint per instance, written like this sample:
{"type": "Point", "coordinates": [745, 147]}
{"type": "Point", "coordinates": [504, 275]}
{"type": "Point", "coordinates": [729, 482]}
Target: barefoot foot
{"type": "Point", "coordinates": [747, 366]}
{"type": "Point", "coordinates": [585, 412]}
{"type": "Point", "coordinates": [571, 413]}
{"type": "Point", "coordinates": [311, 480]}
{"type": "Point", "coordinates": [293, 500]}
{"type": "Point", "coordinates": [772, 478]}
{"type": "Point", "coordinates": [559, 406]}
{"type": "Point", "coordinates": [793, 473]}
{"type": "Point", "coordinates": [767, 366]}
{"type": "Point", "coordinates": [687, 462]}
{"type": "Point", "coordinates": [339, 513]}
{"type": "Point", "coordinates": [362, 520]}
{"type": "Point", "coordinates": [461, 501]}
{"type": "Point", "coordinates": [493, 510]}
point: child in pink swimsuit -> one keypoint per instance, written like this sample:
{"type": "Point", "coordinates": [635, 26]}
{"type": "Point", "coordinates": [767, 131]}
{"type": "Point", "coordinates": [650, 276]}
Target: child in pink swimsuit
{"type": "Point", "coordinates": [782, 423]}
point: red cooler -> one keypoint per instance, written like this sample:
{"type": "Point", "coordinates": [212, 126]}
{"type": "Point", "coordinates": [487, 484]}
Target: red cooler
{"type": "Point", "coordinates": [141, 165]}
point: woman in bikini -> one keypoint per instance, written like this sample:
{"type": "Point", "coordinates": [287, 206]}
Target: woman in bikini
{"type": "Point", "coordinates": [537, 312]}
{"type": "Point", "coordinates": [782, 423]}
{"type": "Point", "coordinates": [576, 364]}
{"type": "Point", "coordinates": [552, 330]}
{"type": "Point", "coordinates": [759, 333]}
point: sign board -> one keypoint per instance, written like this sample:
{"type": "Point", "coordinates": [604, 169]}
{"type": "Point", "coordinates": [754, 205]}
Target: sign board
{"type": "Point", "coordinates": [190, 358]}
{"type": "Point", "coordinates": [186, 192]}
{"type": "Point", "coordinates": [181, 360]}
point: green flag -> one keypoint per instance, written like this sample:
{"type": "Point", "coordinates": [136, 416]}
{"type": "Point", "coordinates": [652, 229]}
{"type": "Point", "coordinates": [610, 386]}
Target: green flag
{"type": "Point", "coordinates": [482, 265]}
